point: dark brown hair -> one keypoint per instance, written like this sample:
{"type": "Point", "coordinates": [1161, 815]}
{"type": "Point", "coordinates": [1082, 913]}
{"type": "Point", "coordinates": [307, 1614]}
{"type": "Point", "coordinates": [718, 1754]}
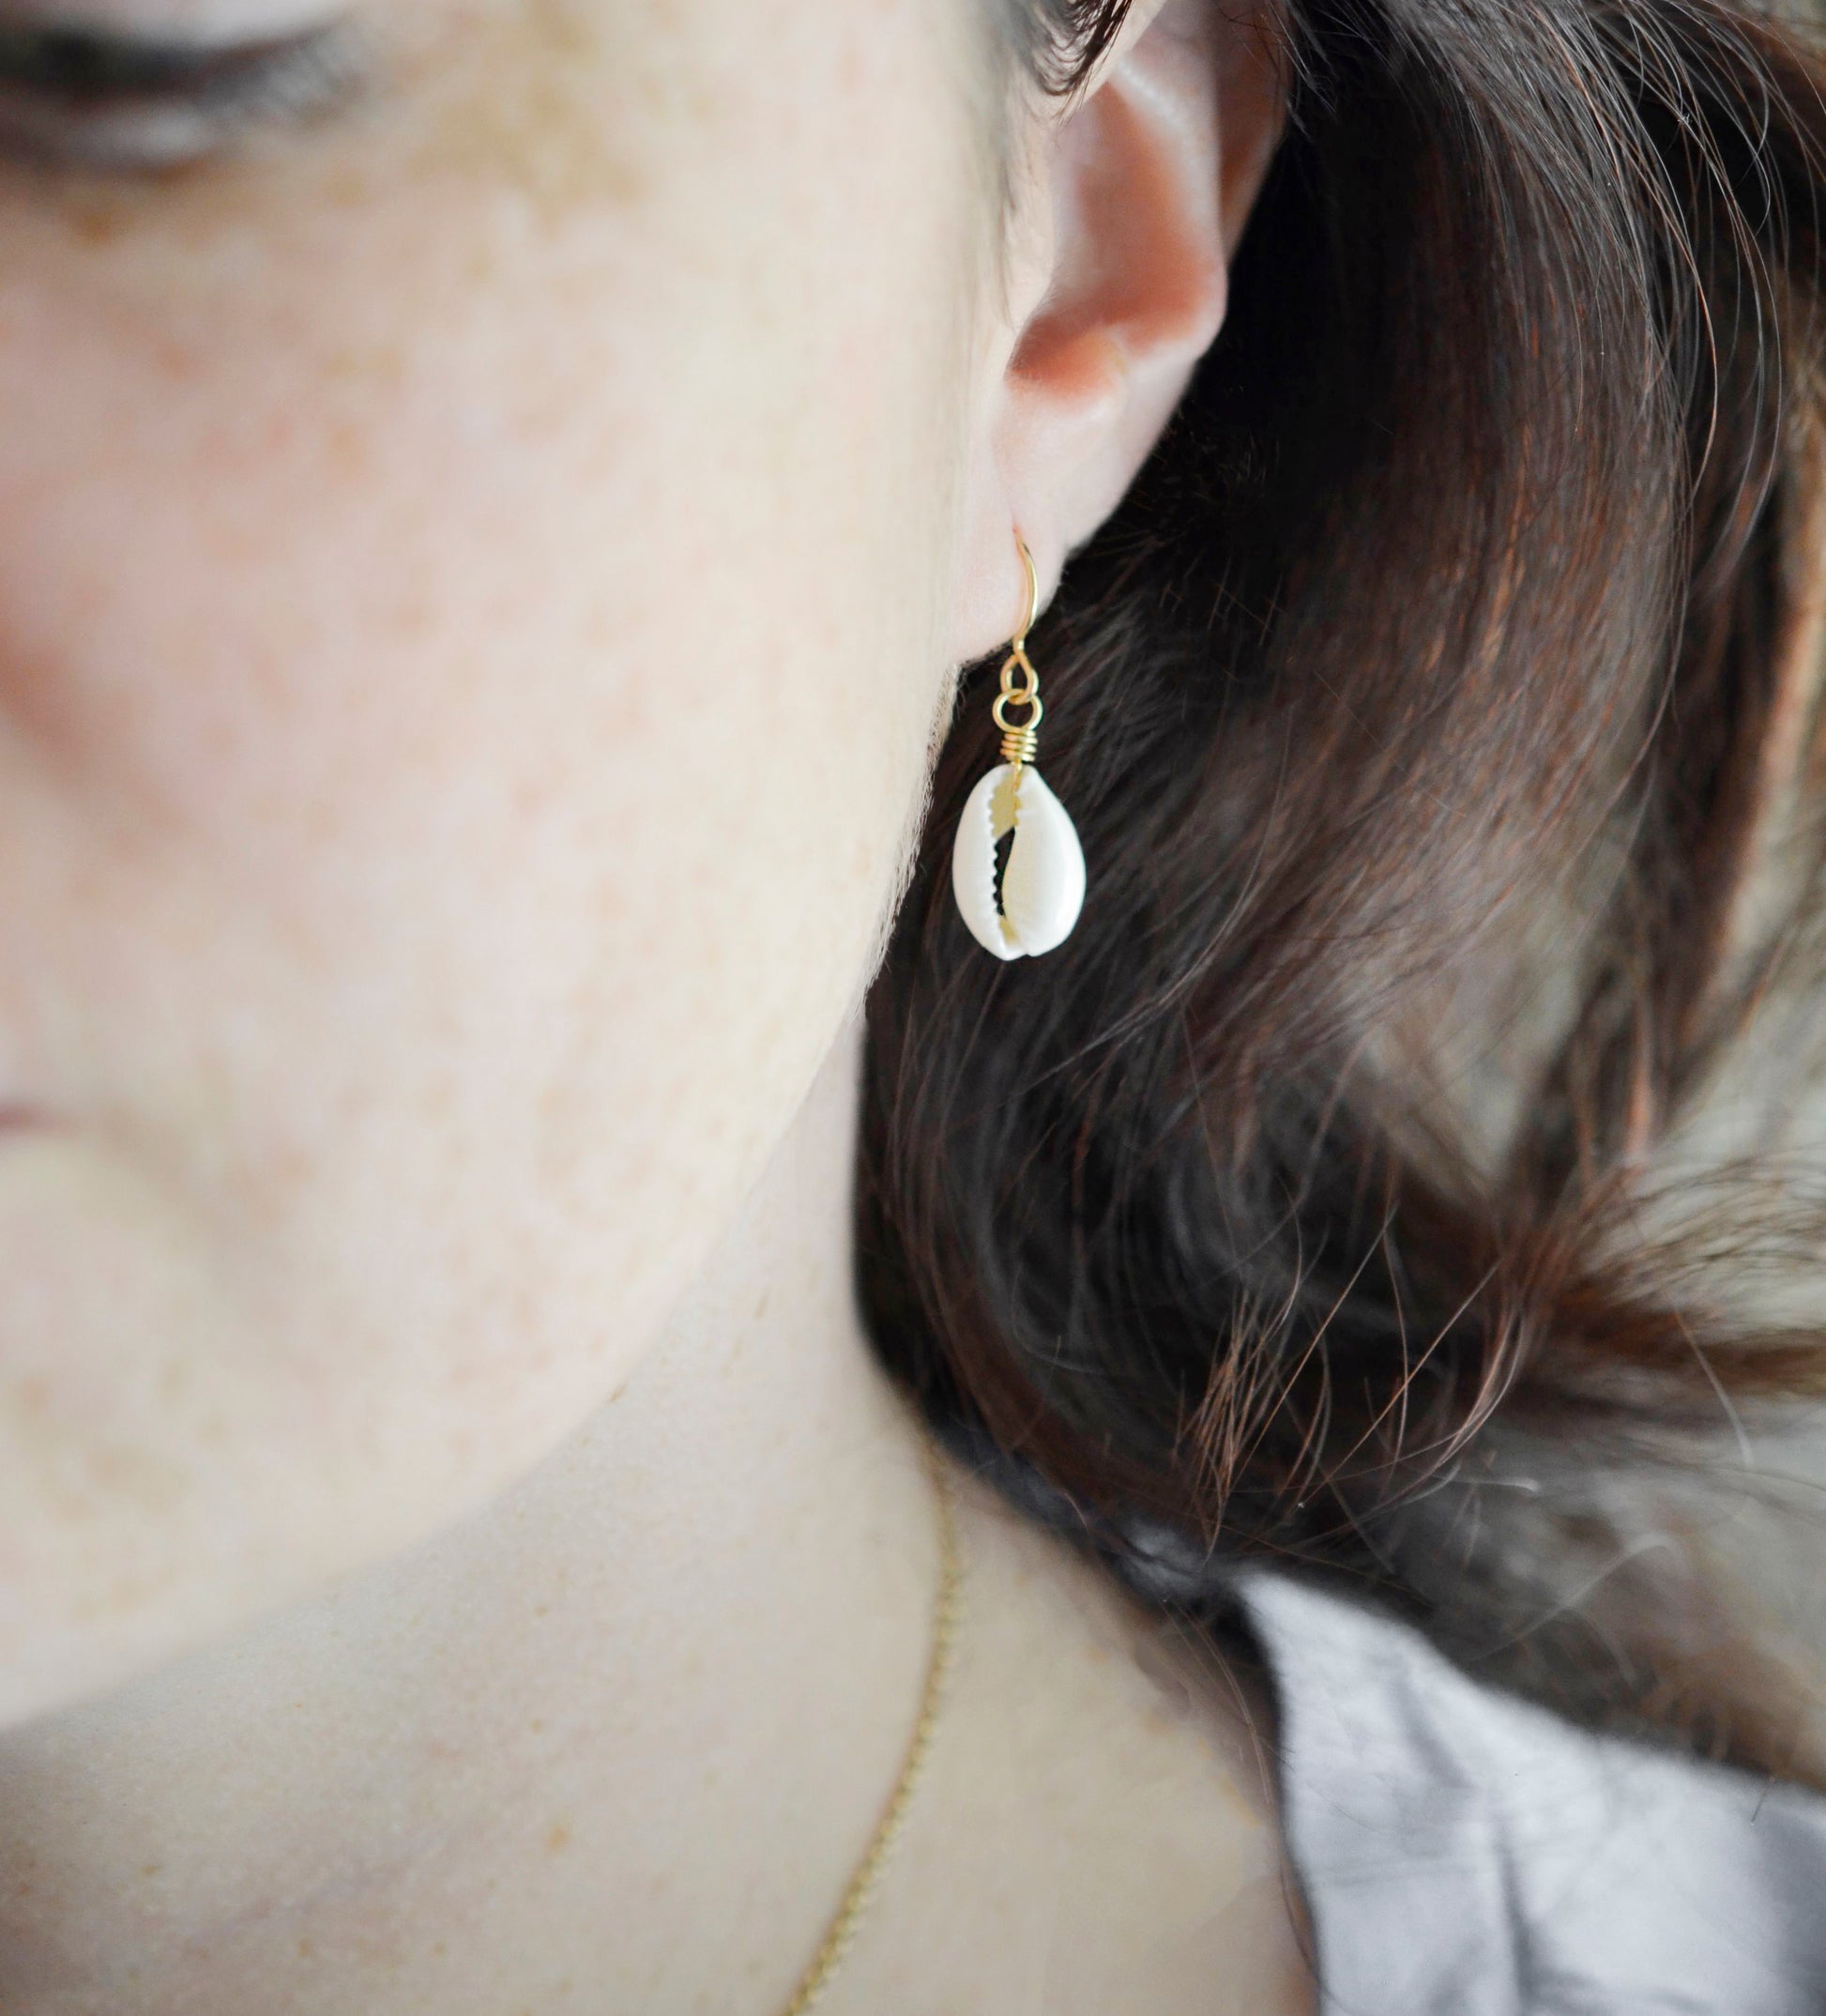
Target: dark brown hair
{"type": "Point", "coordinates": [1439, 715]}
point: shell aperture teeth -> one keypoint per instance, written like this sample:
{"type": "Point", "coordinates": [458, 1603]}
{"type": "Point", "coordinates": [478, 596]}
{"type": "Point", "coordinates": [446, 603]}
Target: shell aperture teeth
{"type": "Point", "coordinates": [1027, 902]}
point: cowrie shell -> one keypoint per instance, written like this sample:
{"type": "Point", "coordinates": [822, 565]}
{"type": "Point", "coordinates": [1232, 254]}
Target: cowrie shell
{"type": "Point", "coordinates": [1043, 884]}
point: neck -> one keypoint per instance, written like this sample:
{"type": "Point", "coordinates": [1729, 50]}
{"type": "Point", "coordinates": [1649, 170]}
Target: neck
{"type": "Point", "coordinates": [628, 1727]}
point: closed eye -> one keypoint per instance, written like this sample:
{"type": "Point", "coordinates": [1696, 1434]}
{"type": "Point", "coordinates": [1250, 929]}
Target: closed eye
{"type": "Point", "coordinates": [85, 97]}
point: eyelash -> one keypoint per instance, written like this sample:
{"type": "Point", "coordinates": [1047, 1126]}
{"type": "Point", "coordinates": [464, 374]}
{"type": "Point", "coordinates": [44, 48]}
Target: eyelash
{"type": "Point", "coordinates": [85, 99]}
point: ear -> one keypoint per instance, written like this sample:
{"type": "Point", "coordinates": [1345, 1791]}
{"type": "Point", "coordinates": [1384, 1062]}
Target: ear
{"type": "Point", "coordinates": [1132, 200]}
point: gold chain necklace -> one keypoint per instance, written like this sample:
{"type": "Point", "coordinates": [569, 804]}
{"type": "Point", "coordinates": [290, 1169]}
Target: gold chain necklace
{"type": "Point", "coordinates": [859, 1892]}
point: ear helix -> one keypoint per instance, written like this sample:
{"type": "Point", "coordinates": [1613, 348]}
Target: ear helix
{"type": "Point", "coordinates": [1023, 899]}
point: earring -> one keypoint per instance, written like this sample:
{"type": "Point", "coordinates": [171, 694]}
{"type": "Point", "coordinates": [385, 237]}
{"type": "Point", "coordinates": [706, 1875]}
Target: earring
{"type": "Point", "coordinates": [1017, 869]}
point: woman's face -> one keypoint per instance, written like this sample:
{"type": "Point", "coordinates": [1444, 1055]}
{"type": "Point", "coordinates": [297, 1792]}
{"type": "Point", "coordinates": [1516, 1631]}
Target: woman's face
{"type": "Point", "coordinates": [476, 591]}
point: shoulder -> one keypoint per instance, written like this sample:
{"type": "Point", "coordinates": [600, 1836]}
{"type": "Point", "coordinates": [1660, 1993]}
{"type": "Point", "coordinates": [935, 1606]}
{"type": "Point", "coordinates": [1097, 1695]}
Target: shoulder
{"type": "Point", "coordinates": [1461, 1851]}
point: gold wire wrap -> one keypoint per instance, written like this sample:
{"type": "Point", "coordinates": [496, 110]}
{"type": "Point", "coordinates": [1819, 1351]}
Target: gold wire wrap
{"type": "Point", "coordinates": [1020, 682]}
{"type": "Point", "coordinates": [862, 1885]}
{"type": "Point", "coordinates": [1020, 740]}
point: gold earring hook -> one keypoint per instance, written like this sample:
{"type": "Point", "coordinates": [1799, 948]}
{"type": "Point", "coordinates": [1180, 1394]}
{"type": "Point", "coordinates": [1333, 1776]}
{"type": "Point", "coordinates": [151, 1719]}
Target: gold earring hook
{"type": "Point", "coordinates": [1033, 592]}
{"type": "Point", "coordinates": [1020, 682]}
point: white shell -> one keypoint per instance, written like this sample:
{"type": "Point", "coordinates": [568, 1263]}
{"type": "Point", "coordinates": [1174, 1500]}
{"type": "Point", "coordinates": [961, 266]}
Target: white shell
{"type": "Point", "coordinates": [1042, 885]}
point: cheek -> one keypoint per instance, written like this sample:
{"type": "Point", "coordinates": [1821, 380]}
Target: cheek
{"type": "Point", "coordinates": [468, 623]}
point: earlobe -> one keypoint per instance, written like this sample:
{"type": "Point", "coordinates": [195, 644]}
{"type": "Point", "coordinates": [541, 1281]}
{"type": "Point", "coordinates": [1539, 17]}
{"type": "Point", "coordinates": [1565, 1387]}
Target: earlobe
{"type": "Point", "coordinates": [1140, 189]}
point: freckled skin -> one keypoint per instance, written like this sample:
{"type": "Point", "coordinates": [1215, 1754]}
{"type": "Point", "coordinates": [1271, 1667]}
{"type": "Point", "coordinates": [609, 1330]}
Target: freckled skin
{"type": "Point", "coordinates": [481, 582]}
{"type": "Point", "coordinates": [452, 594]}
